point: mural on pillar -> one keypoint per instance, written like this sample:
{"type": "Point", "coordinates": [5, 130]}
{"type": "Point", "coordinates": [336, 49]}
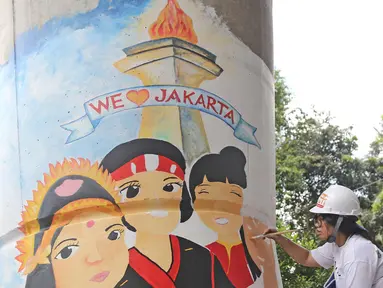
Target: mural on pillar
{"type": "Point", "coordinates": [148, 127]}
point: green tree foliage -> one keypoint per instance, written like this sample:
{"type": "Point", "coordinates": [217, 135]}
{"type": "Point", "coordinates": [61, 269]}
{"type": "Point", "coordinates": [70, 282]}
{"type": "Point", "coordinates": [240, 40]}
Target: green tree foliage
{"type": "Point", "coordinates": [312, 154]}
{"type": "Point", "coordinates": [377, 206]}
{"type": "Point", "coordinates": [372, 218]}
{"type": "Point", "coordinates": [282, 101]}
{"type": "Point", "coordinates": [377, 145]}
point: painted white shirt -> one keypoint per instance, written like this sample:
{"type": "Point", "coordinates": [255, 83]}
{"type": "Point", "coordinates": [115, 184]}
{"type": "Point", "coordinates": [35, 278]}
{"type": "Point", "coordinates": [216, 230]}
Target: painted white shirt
{"type": "Point", "coordinates": [358, 263]}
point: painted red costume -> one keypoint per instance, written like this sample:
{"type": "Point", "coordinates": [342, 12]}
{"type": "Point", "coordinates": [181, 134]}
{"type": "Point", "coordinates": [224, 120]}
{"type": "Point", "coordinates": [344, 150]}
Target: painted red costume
{"type": "Point", "coordinates": [192, 266]}
{"type": "Point", "coordinates": [235, 263]}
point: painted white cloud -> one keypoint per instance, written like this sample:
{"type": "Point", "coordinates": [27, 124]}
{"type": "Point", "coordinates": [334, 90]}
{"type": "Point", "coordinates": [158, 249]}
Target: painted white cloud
{"type": "Point", "coordinates": [10, 195]}
{"type": "Point", "coordinates": [29, 14]}
{"type": "Point", "coordinates": [37, 12]}
{"type": "Point", "coordinates": [6, 30]}
{"type": "Point", "coordinates": [9, 277]}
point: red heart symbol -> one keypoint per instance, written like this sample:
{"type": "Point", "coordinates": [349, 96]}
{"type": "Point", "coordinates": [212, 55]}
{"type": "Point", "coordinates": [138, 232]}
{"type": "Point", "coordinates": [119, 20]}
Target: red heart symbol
{"type": "Point", "coordinates": [138, 97]}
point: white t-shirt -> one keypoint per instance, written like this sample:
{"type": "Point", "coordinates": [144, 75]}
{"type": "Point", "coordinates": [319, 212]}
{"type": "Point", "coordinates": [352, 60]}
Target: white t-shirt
{"type": "Point", "coordinates": [358, 263]}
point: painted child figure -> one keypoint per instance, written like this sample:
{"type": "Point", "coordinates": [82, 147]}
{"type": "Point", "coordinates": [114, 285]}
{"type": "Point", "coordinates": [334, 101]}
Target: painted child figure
{"type": "Point", "coordinates": [216, 184]}
{"type": "Point", "coordinates": [74, 235]}
{"type": "Point", "coordinates": [150, 175]}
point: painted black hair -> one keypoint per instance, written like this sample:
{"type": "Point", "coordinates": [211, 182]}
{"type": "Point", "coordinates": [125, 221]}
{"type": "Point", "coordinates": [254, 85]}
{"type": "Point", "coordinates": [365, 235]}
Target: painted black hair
{"type": "Point", "coordinates": [53, 202]}
{"type": "Point", "coordinates": [228, 164]}
{"type": "Point", "coordinates": [43, 275]}
{"type": "Point", "coordinates": [125, 152]}
{"type": "Point", "coordinates": [255, 271]}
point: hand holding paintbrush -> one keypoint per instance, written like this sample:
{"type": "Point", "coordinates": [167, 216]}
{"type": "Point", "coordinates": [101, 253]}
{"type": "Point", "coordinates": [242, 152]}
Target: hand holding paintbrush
{"type": "Point", "coordinates": [272, 233]}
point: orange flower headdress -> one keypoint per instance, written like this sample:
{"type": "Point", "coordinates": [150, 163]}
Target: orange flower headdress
{"type": "Point", "coordinates": [30, 224]}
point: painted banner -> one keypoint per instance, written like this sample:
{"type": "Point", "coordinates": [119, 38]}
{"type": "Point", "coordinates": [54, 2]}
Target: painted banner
{"type": "Point", "coordinates": [137, 145]}
{"type": "Point", "coordinates": [139, 97]}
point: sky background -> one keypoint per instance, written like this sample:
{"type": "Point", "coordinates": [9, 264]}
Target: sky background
{"type": "Point", "coordinates": [331, 55]}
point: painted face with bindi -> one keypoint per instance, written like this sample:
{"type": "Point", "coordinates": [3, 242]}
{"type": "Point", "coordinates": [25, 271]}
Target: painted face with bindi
{"type": "Point", "coordinates": [90, 250]}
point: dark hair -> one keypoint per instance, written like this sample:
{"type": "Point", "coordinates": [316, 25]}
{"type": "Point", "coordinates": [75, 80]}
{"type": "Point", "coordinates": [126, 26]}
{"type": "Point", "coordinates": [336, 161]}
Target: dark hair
{"type": "Point", "coordinates": [348, 227]}
{"type": "Point", "coordinates": [125, 152]}
{"type": "Point", "coordinates": [42, 275]}
{"type": "Point", "coordinates": [255, 271]}
{"type": "Point", "coordinates": [228, 164]}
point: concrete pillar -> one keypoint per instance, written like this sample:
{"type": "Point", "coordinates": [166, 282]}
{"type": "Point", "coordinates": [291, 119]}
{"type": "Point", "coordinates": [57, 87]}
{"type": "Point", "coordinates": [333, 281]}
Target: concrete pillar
{"type": "Point", "coordinates": [160, 111]}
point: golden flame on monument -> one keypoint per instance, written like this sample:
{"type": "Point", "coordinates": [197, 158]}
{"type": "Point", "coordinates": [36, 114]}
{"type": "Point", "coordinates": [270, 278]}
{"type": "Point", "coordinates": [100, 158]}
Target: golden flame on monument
{"type": "Point", "coordinates": [173, 22]}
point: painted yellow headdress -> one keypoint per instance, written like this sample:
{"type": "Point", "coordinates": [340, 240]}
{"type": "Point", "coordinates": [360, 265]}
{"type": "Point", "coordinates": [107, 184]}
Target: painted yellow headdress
{"type": "Point", "coordinates": [30, 223]}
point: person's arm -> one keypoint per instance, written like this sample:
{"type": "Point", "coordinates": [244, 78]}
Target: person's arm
{"type": "Point", "coordinates": [298, 253]}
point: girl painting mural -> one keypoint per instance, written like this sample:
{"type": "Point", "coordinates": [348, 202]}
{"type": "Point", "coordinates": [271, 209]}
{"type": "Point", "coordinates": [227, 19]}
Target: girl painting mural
{"type": "Point", "coordinates": [219, 180]}
{"type": "Point", "coordinates": [74, 235]}
{"type": "Point", "coordinates": [150, 175]}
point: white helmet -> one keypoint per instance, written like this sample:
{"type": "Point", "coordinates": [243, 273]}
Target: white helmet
{"type": "Point", "coordinates": [338, 200]}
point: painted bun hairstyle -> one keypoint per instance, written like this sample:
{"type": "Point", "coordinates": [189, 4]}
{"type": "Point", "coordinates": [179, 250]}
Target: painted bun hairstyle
{"type": "Point", "coordinates": [228, 164]}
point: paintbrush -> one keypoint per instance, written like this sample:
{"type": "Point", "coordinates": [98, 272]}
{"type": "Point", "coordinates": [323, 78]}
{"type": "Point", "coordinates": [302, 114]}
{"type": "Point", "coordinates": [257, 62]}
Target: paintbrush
{"type": "Point", "coordinates": [275, 233]}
